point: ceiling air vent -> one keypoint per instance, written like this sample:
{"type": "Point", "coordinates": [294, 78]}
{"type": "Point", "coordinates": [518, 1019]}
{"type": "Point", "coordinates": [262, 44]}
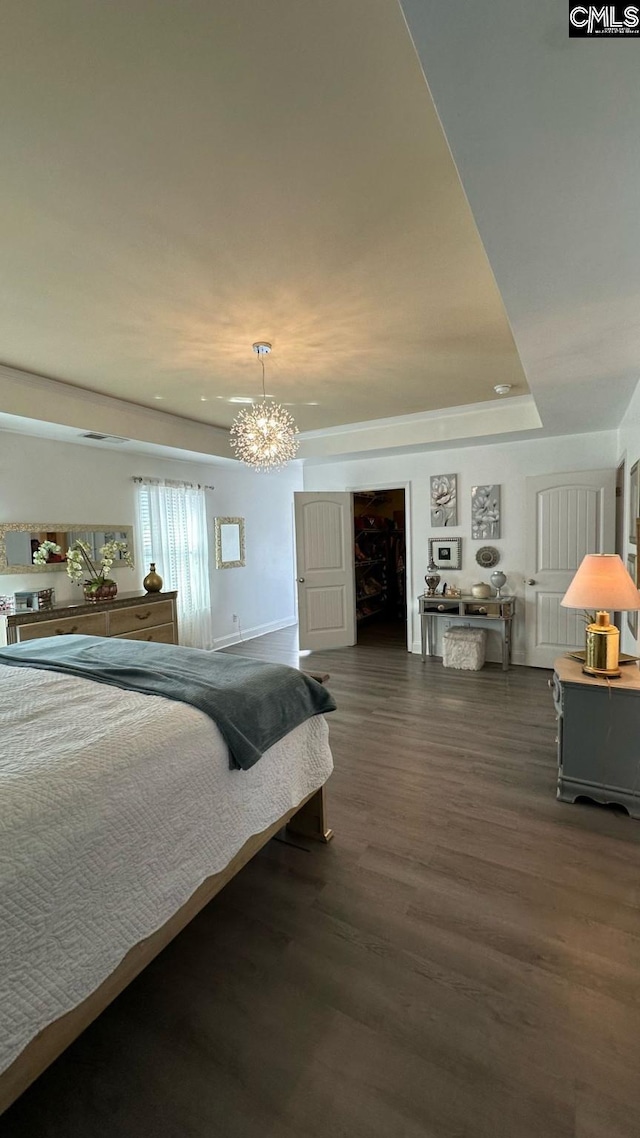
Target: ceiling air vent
{"type": "Point", "coordinates": [103, 438]}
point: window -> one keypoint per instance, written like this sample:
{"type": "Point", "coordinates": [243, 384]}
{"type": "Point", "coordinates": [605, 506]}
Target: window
{"type": "Point", "coordinates": [173, 533]}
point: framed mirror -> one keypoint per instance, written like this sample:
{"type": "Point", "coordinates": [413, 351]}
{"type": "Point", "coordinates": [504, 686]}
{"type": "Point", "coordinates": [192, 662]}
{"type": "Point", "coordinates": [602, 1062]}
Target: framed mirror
{"type": "Point", "coordinates": [20, 540]}
{"type": "Point", "coordinates": [229, 543]}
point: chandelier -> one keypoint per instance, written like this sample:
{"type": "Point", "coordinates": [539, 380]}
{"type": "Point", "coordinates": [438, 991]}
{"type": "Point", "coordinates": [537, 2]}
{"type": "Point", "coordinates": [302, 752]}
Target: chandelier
{"type": "Point", "coordinates": [264, 436]}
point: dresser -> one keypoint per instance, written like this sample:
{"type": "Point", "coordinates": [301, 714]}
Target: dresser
{"type": "Point", "coordinates": [598, 735]}
{"type": "Point", "coordinates": [130, 616]}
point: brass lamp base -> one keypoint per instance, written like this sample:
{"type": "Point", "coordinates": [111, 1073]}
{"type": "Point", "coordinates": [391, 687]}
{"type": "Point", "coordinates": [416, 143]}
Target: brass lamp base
{"type": "Point", "coordinates": [602, 648]}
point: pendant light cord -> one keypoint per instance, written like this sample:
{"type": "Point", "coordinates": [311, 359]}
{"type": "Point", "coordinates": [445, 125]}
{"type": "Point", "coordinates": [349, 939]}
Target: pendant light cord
{"type": "Point", "coordinates": [264, 395]}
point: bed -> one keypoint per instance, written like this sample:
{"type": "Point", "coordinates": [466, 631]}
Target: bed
{"type": "Point", "coordinates": [120, 818]}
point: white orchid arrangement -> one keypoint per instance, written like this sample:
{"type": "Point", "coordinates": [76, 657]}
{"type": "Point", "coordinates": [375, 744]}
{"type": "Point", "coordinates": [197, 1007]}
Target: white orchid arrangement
{"type": "Point", "coordinates": [80, 565]}
{"type": "Point", "coordinates": [43, 552]}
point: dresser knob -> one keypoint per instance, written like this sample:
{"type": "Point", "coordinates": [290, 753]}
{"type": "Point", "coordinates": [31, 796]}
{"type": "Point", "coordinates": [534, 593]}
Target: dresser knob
{"type": "Point", "coordinates": [441, 608]}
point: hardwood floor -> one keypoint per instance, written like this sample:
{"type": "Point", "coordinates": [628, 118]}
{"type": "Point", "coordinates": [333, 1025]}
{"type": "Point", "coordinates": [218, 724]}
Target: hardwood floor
{"type": "Point", "coordinates": [462, 961]}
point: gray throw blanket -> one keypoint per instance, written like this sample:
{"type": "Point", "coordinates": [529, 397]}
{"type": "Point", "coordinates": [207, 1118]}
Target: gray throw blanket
{"type": "Point", "coordinates": [253, 704]}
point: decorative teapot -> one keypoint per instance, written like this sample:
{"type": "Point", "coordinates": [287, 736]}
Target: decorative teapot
{"type": "Point", "coordinates": [481, 591]}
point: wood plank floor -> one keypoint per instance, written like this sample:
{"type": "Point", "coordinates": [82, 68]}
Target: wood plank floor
{"type": "Point", "coordinates": [462, 961]}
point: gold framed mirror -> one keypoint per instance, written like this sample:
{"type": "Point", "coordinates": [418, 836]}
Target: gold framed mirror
{"type": "Point", "coordinates": [20, 540]}
{"type": "Point", "coordinates": [229, 535]}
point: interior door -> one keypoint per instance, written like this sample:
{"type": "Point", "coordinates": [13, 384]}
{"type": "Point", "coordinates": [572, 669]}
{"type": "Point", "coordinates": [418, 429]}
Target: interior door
{"type": "Point", "coordinates": [568, 515]}
{"type": "Point", "coordinates": [324, 565]}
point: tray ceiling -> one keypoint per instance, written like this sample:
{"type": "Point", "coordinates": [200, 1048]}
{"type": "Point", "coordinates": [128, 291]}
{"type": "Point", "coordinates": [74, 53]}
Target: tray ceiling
{"type": "Point", "coordinates": [180, 180]}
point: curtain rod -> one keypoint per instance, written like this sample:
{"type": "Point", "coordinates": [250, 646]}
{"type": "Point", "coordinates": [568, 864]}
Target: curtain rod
{"type": "Point", "coordinates": [172, 482]}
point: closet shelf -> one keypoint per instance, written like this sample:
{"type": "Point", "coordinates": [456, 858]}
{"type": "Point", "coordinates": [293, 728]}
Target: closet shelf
{"type": "Point", "coordinates": [368, 596]}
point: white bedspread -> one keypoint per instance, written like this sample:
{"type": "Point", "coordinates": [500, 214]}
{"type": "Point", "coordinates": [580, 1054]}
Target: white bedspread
{"type": "Point", "coordinates": [114, 807]}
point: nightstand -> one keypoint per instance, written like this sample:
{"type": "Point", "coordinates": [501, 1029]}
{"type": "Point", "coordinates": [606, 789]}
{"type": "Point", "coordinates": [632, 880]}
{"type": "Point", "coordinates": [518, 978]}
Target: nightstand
{"type": "Point", "coordinates": [598, 735]}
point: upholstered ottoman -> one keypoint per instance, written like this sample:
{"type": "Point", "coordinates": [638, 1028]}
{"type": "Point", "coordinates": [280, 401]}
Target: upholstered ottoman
{"type": "Point", "coordinates": [464, 648]}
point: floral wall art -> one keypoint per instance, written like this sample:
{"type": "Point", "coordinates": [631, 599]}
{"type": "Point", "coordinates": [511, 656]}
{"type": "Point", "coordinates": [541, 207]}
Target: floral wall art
{"type": "Point", "coordinates": [485, 512]}
{"type": "Point", "coordinates": [444, 500]}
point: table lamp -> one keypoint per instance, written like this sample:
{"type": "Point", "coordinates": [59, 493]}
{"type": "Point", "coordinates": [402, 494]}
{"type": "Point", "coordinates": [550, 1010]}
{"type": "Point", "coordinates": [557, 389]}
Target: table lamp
{"type": "Point", "coordinates": [602, 584]}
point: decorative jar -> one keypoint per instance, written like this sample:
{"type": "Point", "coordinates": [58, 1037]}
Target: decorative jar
{"type": "Point", "coordinates": [153, 581]}
{"type": "Point", "coordinates": [432, 578]}
{"type": "Point", "coordinates": [498, 580]}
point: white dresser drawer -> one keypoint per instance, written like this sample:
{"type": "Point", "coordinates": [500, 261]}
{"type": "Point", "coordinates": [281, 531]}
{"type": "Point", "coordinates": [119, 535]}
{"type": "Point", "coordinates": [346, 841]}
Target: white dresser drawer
{"type": "Point", "coordinates": [143, 616]}
{"type": "Point", "coordinates": [92, 624]}
{"type": "Point", "coordinates": [160, 634]}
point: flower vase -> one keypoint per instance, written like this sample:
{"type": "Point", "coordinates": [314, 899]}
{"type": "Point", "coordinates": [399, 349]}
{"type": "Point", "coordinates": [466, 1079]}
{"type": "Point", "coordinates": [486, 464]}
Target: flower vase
{"type": "Point", "coordinates": [102, 589]}
{"type": "Point", "coordinates": [153, 581]}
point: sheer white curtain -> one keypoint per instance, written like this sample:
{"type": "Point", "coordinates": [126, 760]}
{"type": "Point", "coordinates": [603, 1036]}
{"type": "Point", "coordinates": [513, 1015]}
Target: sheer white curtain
{"type": "Point", "coordinates": [173, 533]}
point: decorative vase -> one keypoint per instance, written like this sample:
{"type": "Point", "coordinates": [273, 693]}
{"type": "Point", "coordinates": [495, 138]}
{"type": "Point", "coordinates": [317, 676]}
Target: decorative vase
{"type": "Point", "coordinates": [153, 581]}
{"type": "Point", "coordinates": [432, 578]}
{"type": "Point", "coordinates": [102, 589]}
{"type": "Point", "coordinates": [498, 580]}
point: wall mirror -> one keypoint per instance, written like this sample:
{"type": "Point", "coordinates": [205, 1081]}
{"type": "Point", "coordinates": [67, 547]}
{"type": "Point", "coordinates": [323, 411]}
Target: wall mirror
{"type": "Point", "coordinates": [20, 540]}
{"type": "Point", "coordinates": [229, 543]}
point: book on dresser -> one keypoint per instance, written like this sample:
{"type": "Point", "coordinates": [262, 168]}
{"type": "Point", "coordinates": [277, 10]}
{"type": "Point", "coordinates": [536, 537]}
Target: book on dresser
{"type": "Point", "coordinates": [131, 616]}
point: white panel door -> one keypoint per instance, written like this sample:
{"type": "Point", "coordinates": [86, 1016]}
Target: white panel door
{"type": "Point", "coordinates": [568, 515]}
{"type": "Point", "coordinates": [325, 573]}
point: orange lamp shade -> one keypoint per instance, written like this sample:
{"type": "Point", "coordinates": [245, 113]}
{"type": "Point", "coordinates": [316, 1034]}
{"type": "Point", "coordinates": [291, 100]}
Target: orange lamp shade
{"type": "Point", "coordinates": [602, 582]}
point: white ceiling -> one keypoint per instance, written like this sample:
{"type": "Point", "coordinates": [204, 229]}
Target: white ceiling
{"type": "Point", "coordinates": [545, 132]}
{"type": "Point", "coordinates": [180, 180]}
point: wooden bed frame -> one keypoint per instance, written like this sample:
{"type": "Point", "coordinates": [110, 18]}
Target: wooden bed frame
{"type": "Point", "coordinates": [308, 819]}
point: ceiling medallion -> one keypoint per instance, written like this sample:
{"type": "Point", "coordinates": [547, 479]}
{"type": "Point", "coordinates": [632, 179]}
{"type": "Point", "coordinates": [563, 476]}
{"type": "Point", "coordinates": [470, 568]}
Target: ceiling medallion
{"type": "Point", "coordinates": [264, 435]}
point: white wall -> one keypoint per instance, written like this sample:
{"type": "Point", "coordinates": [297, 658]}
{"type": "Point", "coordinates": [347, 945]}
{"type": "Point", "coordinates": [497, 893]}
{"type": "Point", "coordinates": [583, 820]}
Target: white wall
{"type": "Point", "coordinates": [47, 481]}
{"type": "Point", "coordinates": [629, 452]}
{"type": "Point", "coordinates": [508, 464]}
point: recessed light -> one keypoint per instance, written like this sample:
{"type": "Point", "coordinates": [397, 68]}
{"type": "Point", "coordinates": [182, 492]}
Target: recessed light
{"type": "Point", "coordinates": [313, 404]}
{"type": "Point", "coordinates": [158, 397]}
{"type": "Point", "coordinates": [240, 399]}
{"type": "Point", "coordinates": [503, 388]}
{"type": "Point", "coordinates": [204, 399]}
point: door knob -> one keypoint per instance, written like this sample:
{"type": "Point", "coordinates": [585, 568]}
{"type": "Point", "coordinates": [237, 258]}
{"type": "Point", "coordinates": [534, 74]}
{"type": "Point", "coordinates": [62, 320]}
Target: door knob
{"type": "Point", "coordinates": [301, 580]}
{"type": "Point", "coordinates": [531, 581]}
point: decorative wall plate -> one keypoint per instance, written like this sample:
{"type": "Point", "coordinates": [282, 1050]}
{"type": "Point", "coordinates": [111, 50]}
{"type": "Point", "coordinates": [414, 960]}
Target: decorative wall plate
{"type": "Point", "coordinates": [487, 556]}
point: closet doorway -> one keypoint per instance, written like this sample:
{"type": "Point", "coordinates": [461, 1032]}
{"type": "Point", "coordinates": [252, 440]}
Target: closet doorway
{"type": "Point", "coordinates": [380, 566]}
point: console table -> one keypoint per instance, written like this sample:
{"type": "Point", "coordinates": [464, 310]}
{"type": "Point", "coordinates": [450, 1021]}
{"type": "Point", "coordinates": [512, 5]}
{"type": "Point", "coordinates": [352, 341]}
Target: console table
{"type": "Point", "coordinates": [598, 720]}
{"type": "Point", "coordinates": [499, 611]}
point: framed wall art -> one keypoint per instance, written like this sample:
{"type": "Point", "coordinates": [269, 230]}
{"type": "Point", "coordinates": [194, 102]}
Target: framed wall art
{"type": "Point", "coordinates": [632, 614]}
{"type": "Point", "coordinates": [444, 500]}
{"type": "Point", "coordinates": [633, 503]}
{"type": "Point", "coordinates": [485, 512]}
{"type": "Point", "coordinates": [446, 552]}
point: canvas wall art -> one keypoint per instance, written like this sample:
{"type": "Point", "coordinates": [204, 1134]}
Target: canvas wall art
{"type": "Point", "coordinates": [633, 503]}
{"type": "Point", "coordinates": [485, 512]}
{"type": "Point", "coordinates": [444, 500]}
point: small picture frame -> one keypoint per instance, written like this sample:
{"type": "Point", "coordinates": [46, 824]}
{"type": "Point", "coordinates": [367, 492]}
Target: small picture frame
{"type": "Point", "coordinates": [634, 508]}
{"type": "Point", "coordinates": [446, 552]}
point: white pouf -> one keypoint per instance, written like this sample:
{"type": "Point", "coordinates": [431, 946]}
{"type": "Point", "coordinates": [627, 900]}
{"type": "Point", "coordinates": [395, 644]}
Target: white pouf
{"type": "Point", "coordinates": [464, 648]}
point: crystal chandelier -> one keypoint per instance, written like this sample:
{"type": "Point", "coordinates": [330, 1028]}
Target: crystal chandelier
{"type": "Point", "coordinates": [264, 436]}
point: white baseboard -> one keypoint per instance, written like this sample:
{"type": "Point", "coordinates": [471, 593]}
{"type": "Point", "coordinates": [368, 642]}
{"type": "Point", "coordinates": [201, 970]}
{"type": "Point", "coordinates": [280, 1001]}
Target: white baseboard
{"type": "Point", "coordinates": [251, 633]}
